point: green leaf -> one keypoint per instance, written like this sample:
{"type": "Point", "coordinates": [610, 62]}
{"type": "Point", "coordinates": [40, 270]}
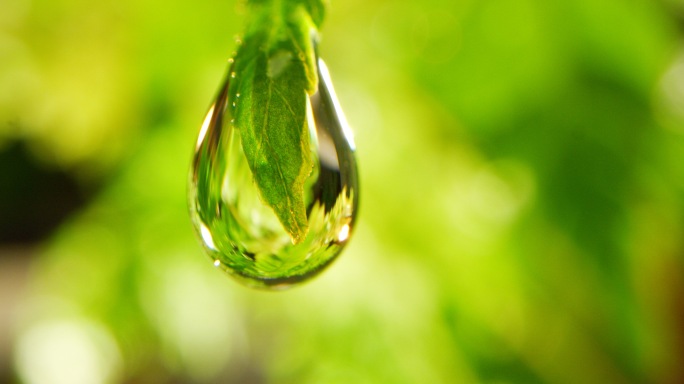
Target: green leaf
{"type": "Point", "coordinates": [274, 72]}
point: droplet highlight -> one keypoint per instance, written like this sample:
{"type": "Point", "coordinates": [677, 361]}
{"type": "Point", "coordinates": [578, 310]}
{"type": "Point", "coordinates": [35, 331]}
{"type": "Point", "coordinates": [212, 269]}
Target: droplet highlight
{"type": "Point", "coordinates": [239, 232]}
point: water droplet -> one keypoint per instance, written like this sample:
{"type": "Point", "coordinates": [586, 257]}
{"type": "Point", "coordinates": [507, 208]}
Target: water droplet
{"type": "Point", "coordinates": [232, 75]}
{"type": "Point", "coordinates": [241, 233]}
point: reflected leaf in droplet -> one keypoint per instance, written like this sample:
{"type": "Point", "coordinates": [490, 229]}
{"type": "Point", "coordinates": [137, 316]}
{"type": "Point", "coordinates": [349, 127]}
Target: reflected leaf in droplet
{"type": "Point", "coordinates": [240, 233]}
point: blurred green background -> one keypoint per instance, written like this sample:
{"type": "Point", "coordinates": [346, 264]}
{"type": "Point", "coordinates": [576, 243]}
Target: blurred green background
{"type": "Point", "coordinates": [522, 202]}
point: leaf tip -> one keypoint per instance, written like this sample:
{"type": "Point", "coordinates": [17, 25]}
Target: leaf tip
{"type": "Point", "coordinates": [297, 226]}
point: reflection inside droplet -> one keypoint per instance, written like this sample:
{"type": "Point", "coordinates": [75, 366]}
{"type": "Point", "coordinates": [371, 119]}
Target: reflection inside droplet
{"type": "Point", "coordinates": [344, 233]}
{"type": "Point", "coordinates": [324, 76]}
{"type": "Point", "coordinates": [206, 237]}
{"type": "Point", "coordinates": [205, 126]}
{"type": "Point", "coordinates": [239, 231]}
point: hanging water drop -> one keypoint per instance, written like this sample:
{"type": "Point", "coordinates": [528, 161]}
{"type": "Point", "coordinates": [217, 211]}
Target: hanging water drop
{"type": "Point", "coordinates": [240, 233]}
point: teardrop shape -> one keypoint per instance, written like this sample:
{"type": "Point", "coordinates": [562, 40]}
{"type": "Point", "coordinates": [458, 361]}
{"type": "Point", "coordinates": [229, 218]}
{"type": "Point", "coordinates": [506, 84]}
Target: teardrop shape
{"type": "Point", "coordinates": [242, 234]}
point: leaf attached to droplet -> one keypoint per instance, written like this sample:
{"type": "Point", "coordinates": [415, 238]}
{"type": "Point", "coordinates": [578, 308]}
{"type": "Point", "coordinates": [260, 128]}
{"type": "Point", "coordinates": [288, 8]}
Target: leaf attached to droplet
{"type": "Point", "coordinates": [275, 72]}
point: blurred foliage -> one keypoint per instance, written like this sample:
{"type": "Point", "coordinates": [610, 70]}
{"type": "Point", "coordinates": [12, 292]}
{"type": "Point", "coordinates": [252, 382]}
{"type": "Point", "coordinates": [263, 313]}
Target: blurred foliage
{"type": "Point", "coordinates": [522, 196]}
